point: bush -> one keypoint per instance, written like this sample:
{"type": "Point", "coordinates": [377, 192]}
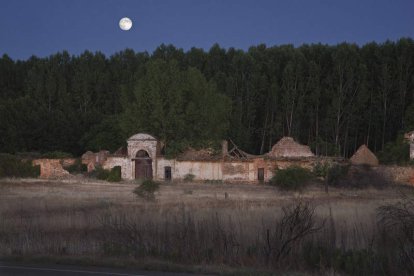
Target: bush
{"type": "Point", "coordinates": [77, 167]}
{"type": "Point", "coordinates": [358, 177]}
{"type": "Point", "coordinates": [336, 173]}
{"type": "Point", "coordinates": [147, 189]}
{"type": "Point", "coordinates": [11, 166]}
{"type": "Point", "coordinates": [99, 173]}
{"type": "Point", "coordinates": [351, 262]}
{"type": "Point", "coordinates": [292, 178]}
{"type": "Point", "coordinates": [321, 169]}
{"type": "Point", "coordinates": [396, 152]}
{"type": "Point", "coordinates": [114, 175]}
{"type": "Point", "coordinates": [396, 224]}
{"type": "Point", "coordinates": [189, 177]}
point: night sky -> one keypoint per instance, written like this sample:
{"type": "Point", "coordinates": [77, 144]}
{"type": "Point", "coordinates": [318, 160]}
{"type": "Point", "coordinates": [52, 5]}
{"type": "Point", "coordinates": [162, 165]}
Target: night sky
{"type": "Point", "coordinates": [44, 27]}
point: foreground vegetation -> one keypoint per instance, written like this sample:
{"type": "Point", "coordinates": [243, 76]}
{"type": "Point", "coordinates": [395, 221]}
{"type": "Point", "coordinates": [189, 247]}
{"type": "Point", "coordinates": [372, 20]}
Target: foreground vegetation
{"type": "Point", "coordinates": [333, 98]}
{"type": "Point", "coordinates": [15, 166]}
{"type": "Point", "coordinates": [251, 228]}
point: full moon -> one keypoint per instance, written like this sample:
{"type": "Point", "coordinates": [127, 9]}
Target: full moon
{"type": "Point", "coordinates": [125, 24]}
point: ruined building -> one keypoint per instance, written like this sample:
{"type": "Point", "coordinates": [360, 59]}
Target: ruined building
{"type": "Point", "coordinates": [143, 159]}
{"type": "Point", "coordinates": [410, 137]}
{"type": "Point", "coordinates": [364, 156]}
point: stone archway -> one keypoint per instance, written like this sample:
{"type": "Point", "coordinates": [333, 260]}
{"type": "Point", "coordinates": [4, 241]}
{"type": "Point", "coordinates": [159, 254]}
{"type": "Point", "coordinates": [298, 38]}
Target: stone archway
{"type": "Point", "coordinates": [143, 165]}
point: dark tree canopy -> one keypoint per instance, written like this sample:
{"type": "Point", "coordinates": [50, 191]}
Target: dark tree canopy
{"type": "Point", "coordinates": [333, 98]}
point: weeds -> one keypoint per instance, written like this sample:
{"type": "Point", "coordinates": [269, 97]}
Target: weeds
{"type": "Point", "coordinates": [297, 237]}
{"type": "Point", "coordinates": [397, 223]}
{"type": "Point", "coordinates": [292, 178]}
{"type": "Point", "coordinates": [189, 177]}
{"type": "Point", "coordinates": [113, 175]}
{"type": "Point", "coordinates": [77, 167]}
{"type": "Point", "coordinates": [147, 189]}
{"type": "Point", "coordinates": [12, 166]}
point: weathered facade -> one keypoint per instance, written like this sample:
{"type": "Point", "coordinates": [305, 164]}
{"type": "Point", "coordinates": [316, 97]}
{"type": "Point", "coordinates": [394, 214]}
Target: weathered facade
{"type": "Point", "coordinates": [143, 159]}
{"type": "Point", "coordinates": [53, 168]}
{"type": "Point", "coordinates": [410, 137]}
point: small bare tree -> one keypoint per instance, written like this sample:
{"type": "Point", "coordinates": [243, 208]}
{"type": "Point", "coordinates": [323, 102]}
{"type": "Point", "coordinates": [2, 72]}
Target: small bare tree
{"type": "Point", "coordinates": [398, 222]}
{"type": "Point", "coordinates": [296, 223]}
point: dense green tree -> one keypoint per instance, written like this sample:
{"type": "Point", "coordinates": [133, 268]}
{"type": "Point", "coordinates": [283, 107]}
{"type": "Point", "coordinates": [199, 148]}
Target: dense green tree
{"type": "Point", "coordinates": [333, 98]}
{"type": "Point", "coordinates": [177, 106]}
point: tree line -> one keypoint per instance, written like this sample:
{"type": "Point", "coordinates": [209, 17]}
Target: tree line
{"type": "Point", "coordinates": [332, 97]}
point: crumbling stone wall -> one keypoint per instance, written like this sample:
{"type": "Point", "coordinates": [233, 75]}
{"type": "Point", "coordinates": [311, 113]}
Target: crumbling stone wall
{"type": "Point", "coordinates": [399, 174]}
{"type": "Point", "coordinates": [412, 150]}
{"type": "Point", "coordinates": [91, 159]}
{"type": "Point", "coordinates": [53, 168]}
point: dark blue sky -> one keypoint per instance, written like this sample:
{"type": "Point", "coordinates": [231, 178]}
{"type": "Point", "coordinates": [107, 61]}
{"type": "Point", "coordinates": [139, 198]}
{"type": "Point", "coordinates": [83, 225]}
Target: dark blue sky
{"type": "Point", "coordinates": [44, 27]}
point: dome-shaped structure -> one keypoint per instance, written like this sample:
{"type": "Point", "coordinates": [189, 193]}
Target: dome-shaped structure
{"type": "Point", "coordinates": [288, 148]}
{"type": "Point", "coordinates": [142, 137]}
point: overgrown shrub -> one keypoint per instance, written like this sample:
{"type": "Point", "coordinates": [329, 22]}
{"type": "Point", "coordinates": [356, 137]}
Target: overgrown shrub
{"type": "Point", "coordinates": [77, 167]}
{"type": "Point", "coordinates": [395, 152]}
{"type": "Point", "coordinates": [336, 173]}
{"type": "Point", "coordinates": [147, 189]}
{"type": "Point", "coordinates": [292, 178]}
{"type": "Point", "coordinates": [11, 166]}
{"type": "Point", "coordinates": [114, 174]}
{"type": "Point", "coordinates": [358, 177]}
{"type": "Point", "coordinates": [321, 169]}
{"type": "Point", "coordinates": [189, 177]}
{"type": "Point", "coordinates": [352, 262]}
{"type": "Point", "coordinates": [364, 176]}
{"type": "Point", "coordinates": [396, 223]}
{"type": "Point", "coordinates": [99, 173]}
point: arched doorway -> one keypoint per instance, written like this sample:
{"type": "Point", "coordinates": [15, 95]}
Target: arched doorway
{"type": "Point", "coordinates": [143, 165]}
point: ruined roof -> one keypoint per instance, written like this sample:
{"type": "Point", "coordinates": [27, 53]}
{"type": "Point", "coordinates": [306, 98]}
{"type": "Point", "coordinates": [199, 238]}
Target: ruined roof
{"type": "Point", "coordinates": [198, 155]}
{"type": "Point", "coordinates": [288, 148]}
{"type": "Point", "coordinates": [141, 137]}
{"type": "Point", "coordinates": [122, 151]}
{"type": "Point", "coordinates": [363, 156]}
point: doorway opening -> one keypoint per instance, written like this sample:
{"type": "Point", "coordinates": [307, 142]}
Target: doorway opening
{"type": "Point", "coordinates": [260, 174]}
{"type": "Point", "coordinates": [143, 165]}
{"type": "Point", "coordinates": [167, 173]}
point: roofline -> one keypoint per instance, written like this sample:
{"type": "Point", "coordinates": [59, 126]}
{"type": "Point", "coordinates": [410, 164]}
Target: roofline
{"type": "Point", "coordinates": [146, 139]}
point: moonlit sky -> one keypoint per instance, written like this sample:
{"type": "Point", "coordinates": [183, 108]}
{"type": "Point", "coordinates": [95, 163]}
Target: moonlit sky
{"type": "Point", "coordinates": [44, 27]}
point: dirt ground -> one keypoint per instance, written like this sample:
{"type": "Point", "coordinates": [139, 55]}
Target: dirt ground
{"type": "Point", "coordinates": [200, 195]}
{"type": "Point", "coordinates": [29, 195]}
{"type": "Point", "coordinates": [67, 217]}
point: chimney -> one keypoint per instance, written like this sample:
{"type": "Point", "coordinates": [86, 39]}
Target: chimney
{"type": "Point", "coordinates": [224, 148]}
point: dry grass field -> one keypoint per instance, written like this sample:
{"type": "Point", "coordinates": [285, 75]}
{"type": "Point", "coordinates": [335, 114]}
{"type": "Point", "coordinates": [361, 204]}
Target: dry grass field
{"type": "Point", "coordinates": [235, 225]}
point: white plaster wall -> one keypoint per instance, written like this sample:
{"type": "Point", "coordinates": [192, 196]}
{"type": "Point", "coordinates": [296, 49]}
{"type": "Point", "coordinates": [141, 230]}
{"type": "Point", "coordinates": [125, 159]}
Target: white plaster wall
{"type": "Point", "coordinates": [161, 163]}
{"type": "Point", "coordinates": [201, 170]}
{"type": "Point", "coordinates": [123, 162]}
{"type": "Point", "coordinates": [236, 171]}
